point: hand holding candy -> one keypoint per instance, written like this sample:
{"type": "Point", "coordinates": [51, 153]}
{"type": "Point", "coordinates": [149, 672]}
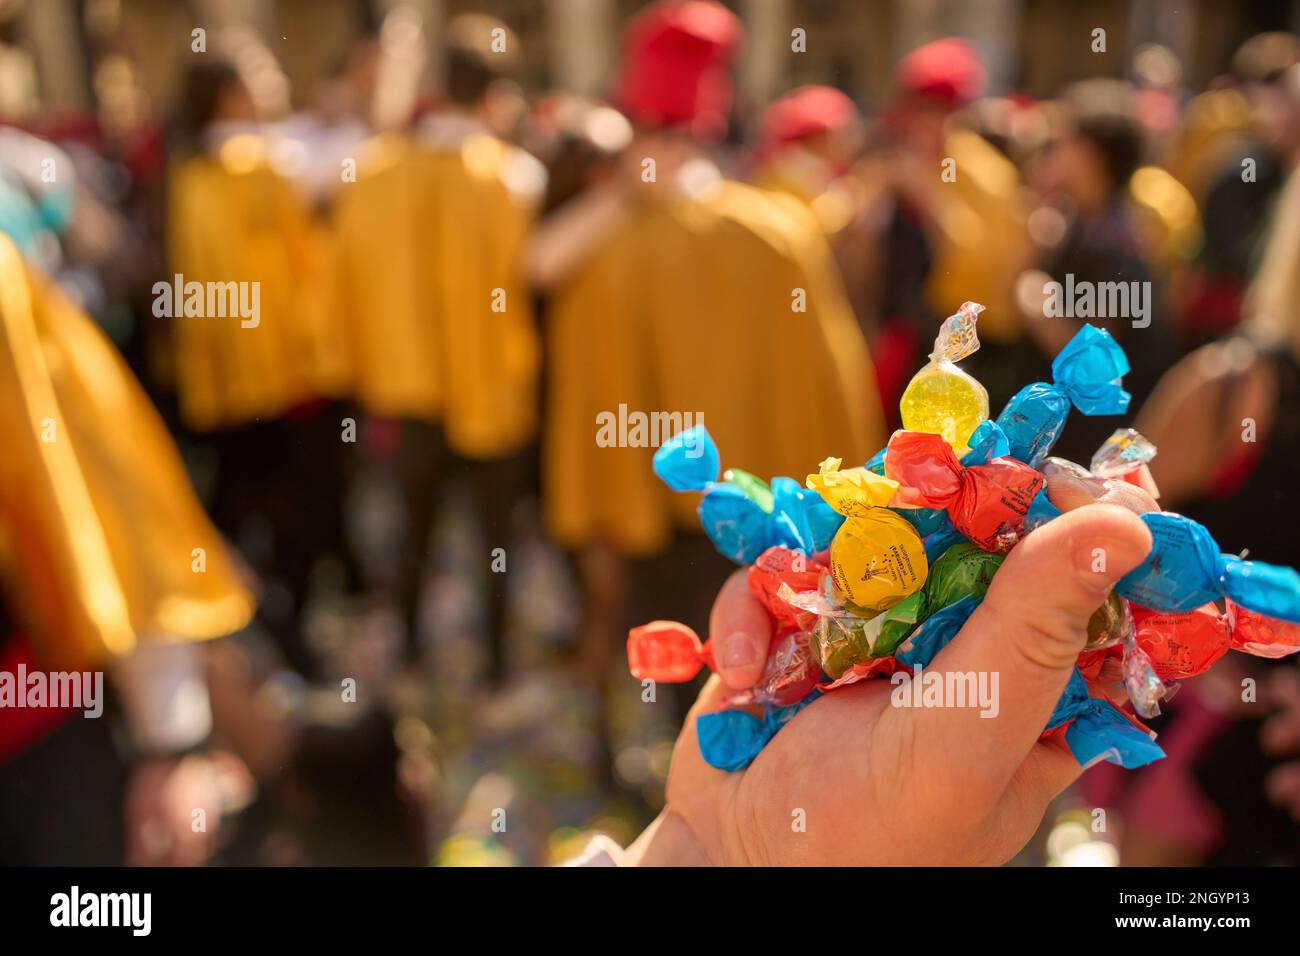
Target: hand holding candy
{"type": "Point", "coordinates": [917, 536]}
{"type": "Point", "coordinates": [875, 781]}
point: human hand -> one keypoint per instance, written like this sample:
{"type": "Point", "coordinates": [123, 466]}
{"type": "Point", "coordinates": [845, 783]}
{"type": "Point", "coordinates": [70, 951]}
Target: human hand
{"type": "Point", "coordinates": [852, 780]}
{"type": "Point", "coordinates": [161, 799]}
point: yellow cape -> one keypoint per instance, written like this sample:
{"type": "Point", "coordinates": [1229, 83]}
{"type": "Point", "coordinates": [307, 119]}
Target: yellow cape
{"type": "Point", "coordinates": [985, 237]}
{"type": "Point", "coordinates": [102, 542]}
{"type": "Point", "coordinates": [233, 219]}
{"type": "Point", "coordinates": [430, 289]}
{"type": "Point", "coordinates": [690, 310]}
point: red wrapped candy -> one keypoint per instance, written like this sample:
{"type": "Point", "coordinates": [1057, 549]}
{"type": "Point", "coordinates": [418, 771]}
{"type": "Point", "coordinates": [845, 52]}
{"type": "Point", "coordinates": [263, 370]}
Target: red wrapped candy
{"type": "Point", "coordinates": [987, 503]}
{"type": "Point", "coordinates": [1181, 645]}
{"type": "Point", "coordinates": [1259, 635]}
{"type": "Point", "coordinates": [673, 653]}
{"type": "Point", "coordinates": [666, 651]}
{"type": "Point", "coordinates": [779, 565]}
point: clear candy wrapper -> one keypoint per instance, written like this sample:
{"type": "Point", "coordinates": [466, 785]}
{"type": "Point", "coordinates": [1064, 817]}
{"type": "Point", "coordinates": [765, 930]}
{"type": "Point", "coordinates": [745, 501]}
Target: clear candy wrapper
{"type": "Point", "coordinates": [842, 637]}
{"type": "Point", "coordinates": [941, 399]}
{"type": "Point", "coordinates": [1123, 453]}
{"type": "Point", "coordinates": [1145, 688]}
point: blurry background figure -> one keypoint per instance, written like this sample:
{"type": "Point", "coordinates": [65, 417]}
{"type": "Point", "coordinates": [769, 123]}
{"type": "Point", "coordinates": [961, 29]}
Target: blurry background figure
{"type": "Point", "coordinates": [673, 291]}
{"type": "Point", "coordinates": [1240, 144]}
{"type": "Point", "coordinates": [1227, 422]}
{"type": "Point", "coordinates": [257, 387]}
{"type": "Point", "coordinates": [811, 137]}
{"type": "Point", "coordinates": [1085, 229]}
{"type": "Point", "coordinates": [109, 565]}
{"type": "Point", "coordinates": [440, 321]}
{"type": "Point", "coordinates": [955, 229]}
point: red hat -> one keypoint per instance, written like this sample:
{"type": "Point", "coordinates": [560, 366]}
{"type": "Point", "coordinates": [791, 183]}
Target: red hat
{"type": "Point", "coordinates": [948, 70]}
{"type": "Point", "coordinates": [806, 111]}
{"type": "Point", "coordinates": [675, 66]}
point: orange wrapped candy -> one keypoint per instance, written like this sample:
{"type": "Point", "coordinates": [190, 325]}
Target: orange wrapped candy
{"type": "Point", "coordinates": [1181, 645]}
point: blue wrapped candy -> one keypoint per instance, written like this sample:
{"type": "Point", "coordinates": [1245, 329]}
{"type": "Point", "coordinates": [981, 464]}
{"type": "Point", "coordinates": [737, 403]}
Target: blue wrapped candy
{"type": "Point", "coordinates": [741, 516]}
{"type": "Point", "coordinates": [731, 739]}
{"type": "Point", "coordinates": [935, 633]}
{"type": "Point", "coordinates": [1099, 731]}
{"type": "Point", "coordinates": [1087, 373]}
{"type": "Point", "coordinates": [987, 441]}
{"type": "Point", "coordinates": [1185, 570]}
{"type": "Point", "coordinates": [1102, 732]}
{"type": "Point", "coordinates": [804, 521]}
{"type": "Point", "coordinates": [688, 461]}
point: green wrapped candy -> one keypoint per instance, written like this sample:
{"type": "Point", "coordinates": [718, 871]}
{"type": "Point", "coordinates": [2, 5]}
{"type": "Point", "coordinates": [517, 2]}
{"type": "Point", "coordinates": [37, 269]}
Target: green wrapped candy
{"type": "Point", "coordinates": [755, 488]}
{"type": "Point", "coordinates": [842, 640]}
{"type": "Point", "coordinates": [964, 570]}
{"type": "Point", "coordinates": [1107, 624]}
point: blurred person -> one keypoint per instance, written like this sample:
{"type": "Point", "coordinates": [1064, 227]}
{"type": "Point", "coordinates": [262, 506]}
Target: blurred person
{"type": "Point", "coordinates": [957, 227]}
{"type": "Point", "coordinates": [812, 137]}
{"type": "Point", "coordinates": [1240, 144]}
{"type": "Point", "coordinates": [580, 141]}
{"type": "Point", "coordinates": [672, 293]}
{"type": "Point", "coordinates": [38, 189]}
{"type": "Point", "coordinates": [256, 383]}
{"type": "Point", "coordinates": [441, 324]}
{"type": "Point", "coordinates": [107, 564]}
{"type": "Point", "coordinates": [1088, 236]}
{"type": "Point", "coordinates": [1226, 420]}
{"type": "Point", "coordinates": [329, 131]}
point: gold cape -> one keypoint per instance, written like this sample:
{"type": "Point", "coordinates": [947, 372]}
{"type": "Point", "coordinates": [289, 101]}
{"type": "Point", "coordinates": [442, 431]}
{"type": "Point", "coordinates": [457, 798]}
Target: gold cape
{"type": "Point", "coordinates": [100, 530]}
{"type": "Point", "coordinates": [985, 237]}
{"type": "Point", "coordinates": [689, 309]}
{"type": "Point", "coordinates": [233, 219]}
{"type": "Point", "coordinates": [430, 288]}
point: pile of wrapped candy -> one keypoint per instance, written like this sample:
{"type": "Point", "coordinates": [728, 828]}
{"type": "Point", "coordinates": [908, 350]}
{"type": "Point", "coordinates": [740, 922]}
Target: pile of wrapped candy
{"type": "Point", "coordinates": [867, 571]}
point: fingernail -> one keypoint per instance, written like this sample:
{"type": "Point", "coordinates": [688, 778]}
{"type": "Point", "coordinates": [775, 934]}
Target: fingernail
{"type": "Point", "coordinates": [739, 650]}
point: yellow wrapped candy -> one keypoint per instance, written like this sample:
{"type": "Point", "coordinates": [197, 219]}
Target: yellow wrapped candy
{"type": "Point", "coordinates": [853, 492]}
{"type": "Point", "coordinates": [877, 559]}
{"type": "Point", "coordinates": [942, 399]}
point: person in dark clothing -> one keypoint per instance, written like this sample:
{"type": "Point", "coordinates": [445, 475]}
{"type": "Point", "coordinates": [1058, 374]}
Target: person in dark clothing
{"type": "Point", "coordinates": [1226, 420]}
{"type": "Point", "coordinates": [1097, 256]}
{"type": "Point", "coordinates": [1241, 196]}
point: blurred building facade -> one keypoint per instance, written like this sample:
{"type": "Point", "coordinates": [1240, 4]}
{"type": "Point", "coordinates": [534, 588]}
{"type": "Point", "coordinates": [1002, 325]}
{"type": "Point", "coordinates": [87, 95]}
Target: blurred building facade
{"type": "Point", "coordinates": [58, 55]}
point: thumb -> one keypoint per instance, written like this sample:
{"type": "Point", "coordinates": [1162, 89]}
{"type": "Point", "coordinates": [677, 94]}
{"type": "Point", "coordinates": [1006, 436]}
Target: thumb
{"type": "Point", "coordinates": [1026, 636]}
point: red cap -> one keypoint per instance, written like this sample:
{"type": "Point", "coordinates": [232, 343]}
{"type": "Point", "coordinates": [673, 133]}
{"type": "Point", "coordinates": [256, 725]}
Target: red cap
{"type": "Point", "coordinates": [675, 66]}
{"type": "Point", "coordinates": [947, 70]}
{"type": "Point", "coordinates": [806, 111]}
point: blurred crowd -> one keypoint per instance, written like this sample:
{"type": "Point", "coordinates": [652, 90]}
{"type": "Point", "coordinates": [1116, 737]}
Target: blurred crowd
{"type": "Point", "coordinates": [327, 431]}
